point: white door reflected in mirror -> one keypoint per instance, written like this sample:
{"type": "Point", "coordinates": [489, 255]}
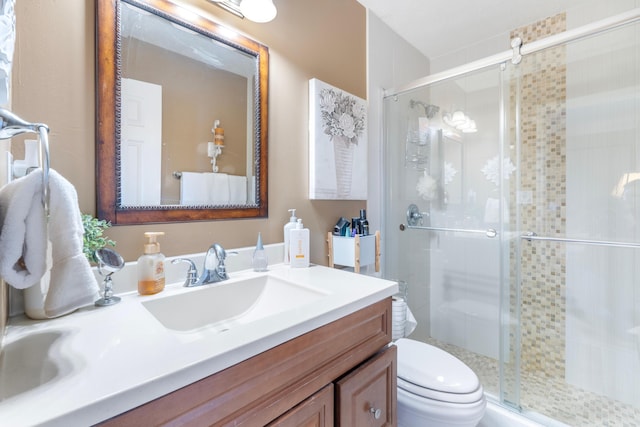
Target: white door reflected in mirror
{"type": "Point", "coordinates": [141, 139]}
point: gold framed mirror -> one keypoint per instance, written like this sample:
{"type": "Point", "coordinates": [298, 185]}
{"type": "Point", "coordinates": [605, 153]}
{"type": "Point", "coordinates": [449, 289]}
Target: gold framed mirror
{"type": "Point", "coordinates": [169, 84]}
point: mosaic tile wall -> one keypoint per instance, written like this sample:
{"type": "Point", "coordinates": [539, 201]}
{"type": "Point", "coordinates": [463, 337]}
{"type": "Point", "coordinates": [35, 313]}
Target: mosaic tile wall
{"type": "Point", "coordinates": [542, 174]}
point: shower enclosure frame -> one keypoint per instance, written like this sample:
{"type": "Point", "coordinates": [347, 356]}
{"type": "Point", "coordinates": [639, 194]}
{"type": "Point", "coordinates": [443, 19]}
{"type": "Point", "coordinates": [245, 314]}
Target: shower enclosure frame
{"type": "Point", "coordinates": [515, 56]}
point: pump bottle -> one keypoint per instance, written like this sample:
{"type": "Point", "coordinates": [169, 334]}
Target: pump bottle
{"type": "Point", "coordinates": [151, 266]}
{"type": "Point", "coordinates": [299, 245]}
{"type": "Point", "coordinates": [287, 228]}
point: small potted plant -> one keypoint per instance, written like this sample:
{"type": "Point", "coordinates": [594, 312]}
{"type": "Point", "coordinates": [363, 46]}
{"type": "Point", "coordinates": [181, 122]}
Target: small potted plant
{"type": "Point", "coordinates": [93, 238]}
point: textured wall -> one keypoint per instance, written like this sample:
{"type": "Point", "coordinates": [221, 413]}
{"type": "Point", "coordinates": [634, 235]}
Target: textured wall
{"type": "Point", "coordinates": [542, 174]}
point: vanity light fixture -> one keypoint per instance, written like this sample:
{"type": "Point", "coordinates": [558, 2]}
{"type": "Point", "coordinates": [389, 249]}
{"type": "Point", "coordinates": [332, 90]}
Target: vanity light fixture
{"type": "Point", "coordinates": [254, 10]}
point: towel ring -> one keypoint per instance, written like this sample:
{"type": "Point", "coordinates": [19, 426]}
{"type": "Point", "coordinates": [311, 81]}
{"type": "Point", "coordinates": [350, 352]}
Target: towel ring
{"type": "Point", "coordinates": [12, 125]}
{"type": "Point", "coordinates": [43, 137]}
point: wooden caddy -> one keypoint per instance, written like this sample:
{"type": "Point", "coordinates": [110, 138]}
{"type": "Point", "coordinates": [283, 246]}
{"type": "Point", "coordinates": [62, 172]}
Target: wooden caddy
{"type": "Point", "coordinates": [354, 251]}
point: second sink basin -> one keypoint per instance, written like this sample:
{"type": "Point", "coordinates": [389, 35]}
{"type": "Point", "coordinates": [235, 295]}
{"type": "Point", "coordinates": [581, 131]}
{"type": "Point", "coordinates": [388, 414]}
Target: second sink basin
{"type": "Point", "coordinates": [221, 306]}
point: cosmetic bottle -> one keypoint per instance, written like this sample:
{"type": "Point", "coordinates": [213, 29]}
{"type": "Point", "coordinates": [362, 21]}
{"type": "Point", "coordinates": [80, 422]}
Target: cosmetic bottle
{"type": "Point", "coordinates": [259, 260]}
{"type": "Point", "coordinates": [287, 228]}
{"type": "Point", "coordinates": [151, 266]}
{"type": "Point", "coordinates": [299, 246]}
{"type": "Point", "coordinates": [355, 227]}
{"type": "Point", "coordinates": [364, 223]}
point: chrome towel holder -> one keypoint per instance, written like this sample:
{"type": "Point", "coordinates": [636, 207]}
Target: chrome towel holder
{"type": "Point", "coordinates": [12, 125]}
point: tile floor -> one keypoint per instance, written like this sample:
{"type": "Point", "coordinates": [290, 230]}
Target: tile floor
{"type": "Point", "coordinates": [550, 397]}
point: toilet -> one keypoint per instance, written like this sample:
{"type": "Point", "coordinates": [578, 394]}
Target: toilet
{"type": "Point", "coordinates": [435, 388]}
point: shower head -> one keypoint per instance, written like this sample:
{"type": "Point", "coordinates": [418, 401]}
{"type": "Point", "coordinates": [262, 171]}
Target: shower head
{"type": "Point", "coordinates": [430, 110]}
{"type": "Point", "coordinates": [12, 125]}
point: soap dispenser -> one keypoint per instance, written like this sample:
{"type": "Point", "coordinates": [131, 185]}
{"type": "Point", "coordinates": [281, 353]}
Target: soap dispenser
{"type": "Point", "coordinates": [299, 245]}
{"type": "Point", "coordinates": [259, 260]}
{"type": "Point", "coordinates": [287, 229]}
{"type": "Point", "coordinates": [151, 266]}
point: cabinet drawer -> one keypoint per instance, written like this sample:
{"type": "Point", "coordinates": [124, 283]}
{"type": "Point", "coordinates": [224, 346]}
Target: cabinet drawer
{"type": "Point", "coordinates": [316, 411]}
{"type": "Point", "coordinates": [367, 396]}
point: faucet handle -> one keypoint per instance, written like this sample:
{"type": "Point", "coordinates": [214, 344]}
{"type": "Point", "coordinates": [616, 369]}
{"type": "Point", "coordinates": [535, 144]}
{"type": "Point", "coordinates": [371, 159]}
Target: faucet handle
{"type": "Point", "coordinates": [221, 254]}
{"type": "Point", "coordinates": [222, 268]}
{"type": "Point", "coordinates": [192, 272]}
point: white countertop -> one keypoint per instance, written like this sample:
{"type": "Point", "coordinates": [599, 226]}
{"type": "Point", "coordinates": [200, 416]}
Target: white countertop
{"type": "Point", "coordinates": [96, 363]}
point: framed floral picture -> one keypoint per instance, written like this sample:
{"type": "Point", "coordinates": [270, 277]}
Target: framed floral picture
{"type": "Point", "coordinates": [337, 143]}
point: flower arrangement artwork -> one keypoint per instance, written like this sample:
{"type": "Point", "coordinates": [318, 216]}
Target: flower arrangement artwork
{"type": "Point", "coordinates": [338, 145]}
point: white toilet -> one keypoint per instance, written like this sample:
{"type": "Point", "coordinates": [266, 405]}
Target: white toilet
{"type": "Point", "coordinates": [435, 388]}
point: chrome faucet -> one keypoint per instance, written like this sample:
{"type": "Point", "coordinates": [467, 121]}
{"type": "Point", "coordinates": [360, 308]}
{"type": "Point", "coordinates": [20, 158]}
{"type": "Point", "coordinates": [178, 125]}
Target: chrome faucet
{"type": "Point", "coordinates": [217, 274]}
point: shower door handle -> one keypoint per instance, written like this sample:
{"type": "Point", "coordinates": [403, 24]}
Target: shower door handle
{"type": "Point", "coordinates": [414, 217]}
{"type": "Point", "coordinates": [489, 232]}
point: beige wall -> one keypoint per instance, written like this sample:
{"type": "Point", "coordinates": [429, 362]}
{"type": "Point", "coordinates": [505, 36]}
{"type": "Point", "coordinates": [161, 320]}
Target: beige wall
{"type": "Point", "coordinates": [212, 95]}
{"type": "Point", "coordinates": [53, 82]}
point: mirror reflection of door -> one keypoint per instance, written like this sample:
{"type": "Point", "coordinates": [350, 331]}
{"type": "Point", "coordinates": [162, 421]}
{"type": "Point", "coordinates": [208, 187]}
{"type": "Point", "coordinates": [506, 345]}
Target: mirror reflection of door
{"type": "Point", "coordinates": [141, 143]}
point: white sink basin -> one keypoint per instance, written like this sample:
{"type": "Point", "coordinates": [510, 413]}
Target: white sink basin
{"type": "Point", "coordinates": [39, 359]}
{"type": "Point", "coordinates": [222, 306]}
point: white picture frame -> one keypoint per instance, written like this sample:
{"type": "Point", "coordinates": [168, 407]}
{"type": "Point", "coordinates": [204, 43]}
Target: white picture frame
{"type": "Point", "coordinates": [337, 143]}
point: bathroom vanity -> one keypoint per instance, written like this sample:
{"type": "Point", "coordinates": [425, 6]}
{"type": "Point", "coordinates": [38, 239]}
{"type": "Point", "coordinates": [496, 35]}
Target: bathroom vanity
{"type": "Point", "coordinates": [281, 348]}
{"type": "Point", "coordinates": [294, 382]}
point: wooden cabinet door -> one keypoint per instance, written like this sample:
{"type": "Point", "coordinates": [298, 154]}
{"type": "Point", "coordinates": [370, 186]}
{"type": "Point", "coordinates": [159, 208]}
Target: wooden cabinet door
{"type": "Point", "coordinates": [367, 396]}
{"type": "Point", "coordinates": [316, 411]}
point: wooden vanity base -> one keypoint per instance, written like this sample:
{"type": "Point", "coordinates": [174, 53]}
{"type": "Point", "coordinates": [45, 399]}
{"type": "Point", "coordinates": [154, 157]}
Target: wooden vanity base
{"type": "Point", "coordinates": [289, 384]}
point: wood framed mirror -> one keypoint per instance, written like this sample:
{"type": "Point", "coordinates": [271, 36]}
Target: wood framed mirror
{"type": "Point", "coordinates": [166, 78]}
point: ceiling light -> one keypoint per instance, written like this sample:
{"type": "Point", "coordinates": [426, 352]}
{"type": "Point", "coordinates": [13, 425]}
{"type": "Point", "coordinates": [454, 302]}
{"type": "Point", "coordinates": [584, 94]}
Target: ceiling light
{"type": "Point", "coordinates": [258, 10]}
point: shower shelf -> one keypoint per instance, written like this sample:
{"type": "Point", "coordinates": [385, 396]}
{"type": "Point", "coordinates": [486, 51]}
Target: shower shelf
{"type": "Point", "coordinates": [355, 251]}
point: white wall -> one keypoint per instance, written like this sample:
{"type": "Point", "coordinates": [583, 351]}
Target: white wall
{"type": "Point", "coordinates": [391, 62]}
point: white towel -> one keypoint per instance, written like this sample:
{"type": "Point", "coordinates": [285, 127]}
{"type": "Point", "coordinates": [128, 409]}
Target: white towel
{"type": "Point", "coordinates": [23, 243]}
{"type": "Point", "coordinates": [218, 188]}
{"type": "Point", "coordinates": [194, 189]}
{"type": "Point", "coordinates": [71, 283]}
{"type": "Point", "coordinates": [204, 188]}
{"type": "Point", "coordinates": [237, 190]}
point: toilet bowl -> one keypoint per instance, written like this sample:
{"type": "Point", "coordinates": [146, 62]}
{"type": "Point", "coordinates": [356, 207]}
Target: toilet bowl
{"type": "Point", "coordinates": [435, 388]}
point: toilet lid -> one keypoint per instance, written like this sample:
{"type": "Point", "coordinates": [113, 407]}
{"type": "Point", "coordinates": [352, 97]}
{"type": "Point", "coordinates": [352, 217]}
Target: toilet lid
{"type": "Point", "coordinates": [429, 367]}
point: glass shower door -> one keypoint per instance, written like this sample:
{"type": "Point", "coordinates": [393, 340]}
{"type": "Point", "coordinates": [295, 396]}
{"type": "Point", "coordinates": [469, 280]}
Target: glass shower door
{"type": "Point", "coordinates": [578, 190]}
{"type": "Point", "coordinates": [447, 217]}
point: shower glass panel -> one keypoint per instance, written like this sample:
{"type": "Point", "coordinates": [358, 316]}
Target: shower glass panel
{"type": "Point", "coordinates": [444, 162]}
{"type": "Point", "coordinates": [578, 174]}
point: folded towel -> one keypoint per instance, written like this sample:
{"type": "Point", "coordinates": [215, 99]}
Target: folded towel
{"type": "Point", "coordinates": [218, 188]}
{"type": "Point", "coordinates": [204, 188]}
{"type": "Point", "coordinates": [25, 235]}
{"type": "Point", "coordinates": [23, 230]}
{"type": "Point", "coordinates": [194, 189]}
{"type": "Point", "coordinates": [237, 190]}
{"type": "Point", "coordinates": [72, 283]}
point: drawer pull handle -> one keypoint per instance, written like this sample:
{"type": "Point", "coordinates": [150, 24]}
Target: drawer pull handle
{"type": "Point", "coordinates": [376, 413]}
